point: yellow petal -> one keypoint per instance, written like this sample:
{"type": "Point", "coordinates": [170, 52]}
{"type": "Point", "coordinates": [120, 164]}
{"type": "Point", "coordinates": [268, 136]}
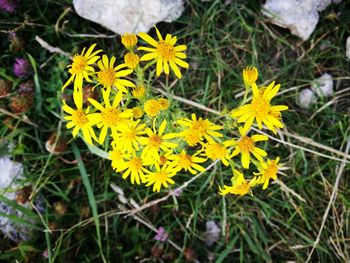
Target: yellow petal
{"type": "Point", "coordinates": [159, 66]}
{"type": "Point", "coordinates": [147, 38]}
{"type": "Point", "coordinates": [245, 160]}
{"type": "Point", "coordinates": [149, 56]}
{"type": "Point", "coordinates": [175, 68]}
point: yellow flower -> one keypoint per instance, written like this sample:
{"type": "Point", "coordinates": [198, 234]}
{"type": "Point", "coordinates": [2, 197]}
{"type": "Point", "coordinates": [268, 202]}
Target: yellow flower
{"type": "Point", "coordinates": [164, 103]}
{"type": "Point", "coordinates": [267, 170]}
{"type": "Point", "coordinates": [81, 67]}
{"type": "Point", "coordinates": [79, 119]}
{"type": "Point", "coordinates": [109, 75]}
{"type": "Point", "coordinates": [260, 109]}
{"type": "Point", "coordinates": [162, 177]}
{"type": "Point", "coordinates": [162, 159]}
{"type": "Point", "coordinates": [250, 75]}
{"type": "Point", "coordinates": [246, 145]}
{"type": "Point", "coordinates": [110, 116]}
{"type": "Point", "coordinates": [239, 185]}
{"type": "Point", "coordinates": [199, 128]}
{"type": "Point", "coordinates": [137, 112]}
{"type": "Point", "coordinates": [129, 40]}
{"type": "Point", "coordinates": [152, 107]}
{"type": "Point", "coordinates": [129, 136]}
{"type": "Point", "coordinates": [184, 161]}
{"type": "Point", "coordinates": [214, 150]}
{"type": "Point", "coordinates": [131, 60]}
{"type": "Point", "coordinates": [134, 167]}
{"type": "Point", "coordinates": [139, 92]}
{"type": "Point", "coordinates": [116, 156]}
{"type": "Point", "coordinates": [165, 53]}
{"type": "Point", "coordinates": [157, 141]}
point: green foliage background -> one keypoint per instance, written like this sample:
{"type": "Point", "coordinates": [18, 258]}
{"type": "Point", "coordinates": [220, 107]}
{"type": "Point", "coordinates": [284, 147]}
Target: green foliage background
{"type": "Point", "coordinates": [222, 37]}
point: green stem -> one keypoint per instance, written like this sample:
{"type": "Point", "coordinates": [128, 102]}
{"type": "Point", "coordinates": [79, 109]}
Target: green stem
{"type": "Point", "coordinates": [247, 88]}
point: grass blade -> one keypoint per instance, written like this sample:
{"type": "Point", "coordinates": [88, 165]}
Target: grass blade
{"type": "Point", "coordinates": [90, 194]}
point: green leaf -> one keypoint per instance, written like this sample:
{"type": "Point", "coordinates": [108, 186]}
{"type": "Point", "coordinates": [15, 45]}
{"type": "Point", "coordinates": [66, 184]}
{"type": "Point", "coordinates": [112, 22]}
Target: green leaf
{"type": "Point", "coordinates": [37, 85]}
{"type": "Point", "coordinates": [90, 194]}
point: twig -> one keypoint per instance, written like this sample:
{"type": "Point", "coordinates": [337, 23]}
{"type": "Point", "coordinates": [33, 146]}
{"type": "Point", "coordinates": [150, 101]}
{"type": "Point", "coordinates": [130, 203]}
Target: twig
{"type": "Point", "coordinates": [50, 48]}
{"type": "Point", "coordinates": [289, 191]}
{"type": "Point", "coordinates": [25, 120]}
{"type": "Point", "coordinates": [91, 35]}
{"type": "Point", "coordinates": [331, 200]}
{"type": "Point", "coordinates": [189, 102]}
{"type": "Point", "coordinates": [306, 149]}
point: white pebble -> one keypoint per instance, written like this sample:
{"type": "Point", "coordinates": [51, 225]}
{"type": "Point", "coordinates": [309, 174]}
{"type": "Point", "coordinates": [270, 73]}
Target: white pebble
{"type": "Point", "coordinates": [306, 98]}
{"type": "Point", "coordinates": [323, 86]}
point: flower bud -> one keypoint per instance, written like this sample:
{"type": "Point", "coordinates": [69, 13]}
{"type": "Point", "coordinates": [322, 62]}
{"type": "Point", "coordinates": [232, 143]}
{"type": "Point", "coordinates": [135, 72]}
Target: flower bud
{"type": "Point", "coordinates": [129, 40]}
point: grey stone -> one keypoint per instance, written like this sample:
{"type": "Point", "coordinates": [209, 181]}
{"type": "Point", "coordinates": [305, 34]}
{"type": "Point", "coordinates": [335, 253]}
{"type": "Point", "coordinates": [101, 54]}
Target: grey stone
{"type": "Point", "coordinates": [300, 16]}
{"type": "Point", "coordinates": [348, 48]}
{"type": "Point", "coordinates": [212, 233]}
{"type": "Point", "coordinates": [12, 180]}
{"type": "Point", "coordinates": [323, 86]}
{"type": "Point", "coordinates": [306, 98]}
{"type": "Point", "coordinates": [132, 16]}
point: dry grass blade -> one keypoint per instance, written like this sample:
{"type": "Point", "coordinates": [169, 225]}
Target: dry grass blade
{"type": "Point", "coordinates": [331, 200]}
{"type": "Point", "coordinates": [50, 48]}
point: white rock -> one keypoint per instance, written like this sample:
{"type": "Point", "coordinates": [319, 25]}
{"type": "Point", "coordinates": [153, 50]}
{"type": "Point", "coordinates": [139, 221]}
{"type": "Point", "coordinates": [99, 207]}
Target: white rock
{"type": "Point", "coordinates": [300, 16]}
{"type": "Point", "coordinates": [9, 171]}
{"type": "Point", "coordinates": [306, 98]}
{"type": "Point", "coordinates": [11, 178]}
{"type": "Point", "coordinates": [212, 233]}
{"type": "Point", "coordinates": [348, 48]}
{"type": "Point", "coordinates": [123, 16]}
{"type": "Point", "coordinates": [323, 86]}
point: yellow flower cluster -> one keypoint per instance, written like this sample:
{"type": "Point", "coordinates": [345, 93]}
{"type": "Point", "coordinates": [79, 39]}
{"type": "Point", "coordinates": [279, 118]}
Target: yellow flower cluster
{"type": "Point", "coordinates": [144, 144]}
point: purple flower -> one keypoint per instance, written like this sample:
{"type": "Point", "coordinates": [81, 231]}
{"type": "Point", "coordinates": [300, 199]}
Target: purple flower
{"type": "Point", "coordinates": [161, 234]}
{"type": "Point", "coordinates": [22, 68]}
{"type": "Point", "coordinates": [177, 192]}
{"type": "Point", "coordinates": [8, 5]}
{"type": "Point", "coordinates": [45, 254]}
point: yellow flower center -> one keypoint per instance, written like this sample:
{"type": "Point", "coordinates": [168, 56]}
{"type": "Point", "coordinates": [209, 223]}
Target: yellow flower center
{"type": "Point", "coordinates": [192, 137]}
{"type": "Point", "coordinates": [166, 50]}
{"type": "Point", "coordinates": [78, 65]}
{"type": "Point", "coordinates": [271, 170]}
{"type": "Point", "coordinates": [216, 151]}
{"type": "Point", "coordinates": [106, 77]}
{"type": "Point", "coordinates": [184, 161]}
{"type": "Point", "coordinates": [79, 118]}
{"type": "Point", "coordinates": [131, 134]}
{"type": "Point", "coordinates": [246, 144]}
{"type": "Point", "coordinates": [161, 177]}
{"type": "Point", "coordinates": [110, 116]}
{"type": "Point", "coordinates": [152, 107]}
{"type": "Point", "coordinates": [135, 164]}
{"type": "Point", "coordinates": [200, 126]}
{"type": "Point", "coordinates": [261, 107]}
{"type": "Point", "coordinates": [155, 141]}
